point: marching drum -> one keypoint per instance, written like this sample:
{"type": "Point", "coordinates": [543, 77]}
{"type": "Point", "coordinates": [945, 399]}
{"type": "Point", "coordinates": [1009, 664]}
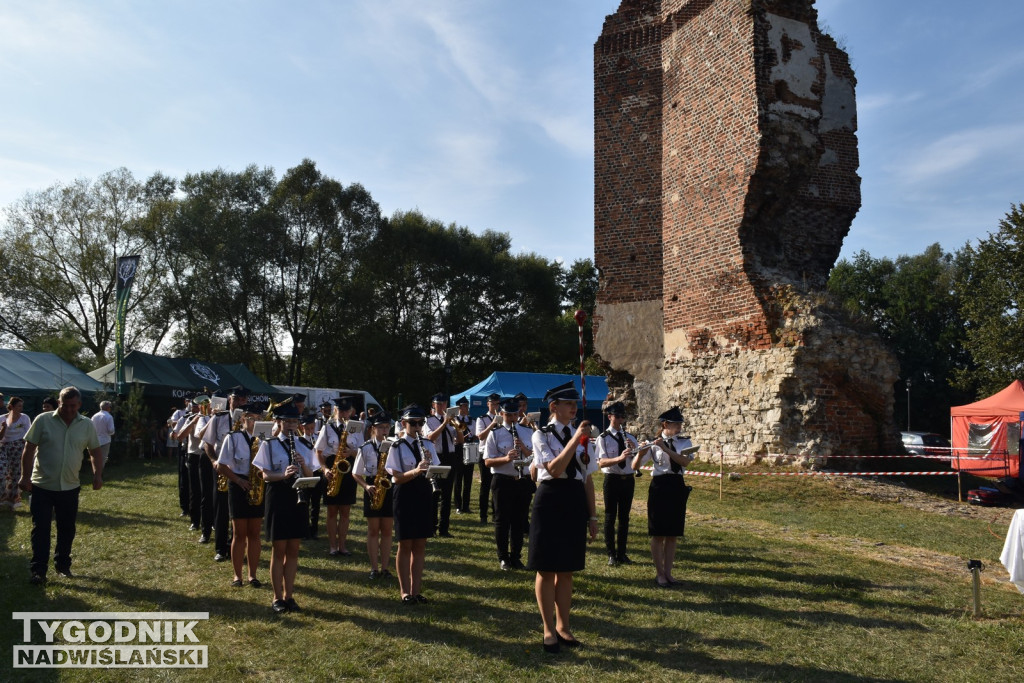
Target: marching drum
{"type": "Point", "coordinates": [470, 453]}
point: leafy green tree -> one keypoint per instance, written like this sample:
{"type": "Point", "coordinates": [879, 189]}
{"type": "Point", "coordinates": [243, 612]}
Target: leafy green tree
{"type": "Point", "coordinates": [912, 302]}
{"type": "Point", "coordinates": [991, 286]}
{"type": "Point", "coordinates": [60, 247]}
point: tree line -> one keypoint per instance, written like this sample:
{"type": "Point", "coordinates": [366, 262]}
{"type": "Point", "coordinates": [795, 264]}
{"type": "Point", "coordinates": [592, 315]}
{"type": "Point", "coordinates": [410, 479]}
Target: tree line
{"type": "Point", "coordinates": [300, 277]}
{"type": "Point", "coordinates": [954, 320]}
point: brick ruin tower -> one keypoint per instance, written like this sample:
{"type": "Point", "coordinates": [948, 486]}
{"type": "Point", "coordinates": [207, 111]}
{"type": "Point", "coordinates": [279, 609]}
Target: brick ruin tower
{"type": "Point", "coordinates": [726, 178]}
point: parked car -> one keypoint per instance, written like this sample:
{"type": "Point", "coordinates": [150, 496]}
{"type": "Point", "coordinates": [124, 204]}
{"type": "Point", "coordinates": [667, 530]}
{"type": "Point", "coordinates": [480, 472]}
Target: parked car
{"type": "Point", "coordinates": [925, 443]}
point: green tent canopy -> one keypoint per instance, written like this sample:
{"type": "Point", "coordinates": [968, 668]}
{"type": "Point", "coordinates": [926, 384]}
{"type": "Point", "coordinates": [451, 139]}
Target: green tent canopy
{"type": "Point", "coordinates": [34, 375]}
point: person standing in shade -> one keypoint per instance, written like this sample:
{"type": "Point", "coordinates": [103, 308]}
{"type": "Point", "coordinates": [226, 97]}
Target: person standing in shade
{"type": "Point", "coordinates": [508, 453]}
{"type": "Point", "coordinates": [615, 449]}
{"type": "Point", "coordinates": [50, 467]}
{"type": "Point", "coordinates": [463, 473]}
{"type": "Point", "coordinates": [219, 426]}
{"type": "Point", "coordinates": [188, 431]}
{"type": "Point", "coordinates": [104, 423]}
{"type": "Point", "coordinates": [176, 449]}
{"type": "Point", "coordinates": [563, 509]}
{"type": "Point", "coordinates": [407, 463]}
{"type": "Point", "coordinates": [668, 493]}
{"type": "Point", "coordinates": [485, 424]}
{"type": "Point", "coordinates": [439, 430]}
{"type": "Point", "coordinates": [13, 427]}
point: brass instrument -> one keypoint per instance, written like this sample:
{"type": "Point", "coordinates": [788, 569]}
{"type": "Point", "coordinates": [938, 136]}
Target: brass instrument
{"type": "Point", "coordinates": [257, 485]}
{"type": "Point", "coordinates": [222, 480]}
{"type": "Point", "coordinates": [381, 482]}
{"type": "Point", "coordinates": [301, 495]}
{"type": "Point", "coordinates": [341, 465]}
{"type": "Point", "coordinates": [269, 415]}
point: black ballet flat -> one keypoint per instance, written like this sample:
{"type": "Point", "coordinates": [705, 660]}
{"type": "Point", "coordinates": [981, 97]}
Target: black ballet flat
{"type": "Point", "coordinates": [420, 598]}
{"type": "Point", "coordinates": [408, 600]}
{"type": "Point", "coordinates": [566, 641]}
{"type": "Point", "coordinates": [237, 583]}
{"type": "Point", "coordinates": [552, 648]}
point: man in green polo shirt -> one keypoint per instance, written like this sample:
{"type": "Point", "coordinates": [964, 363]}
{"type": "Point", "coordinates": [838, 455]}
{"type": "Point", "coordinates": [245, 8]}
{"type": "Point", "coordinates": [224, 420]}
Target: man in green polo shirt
{"type": "Point", "coordinates": [53, 454]}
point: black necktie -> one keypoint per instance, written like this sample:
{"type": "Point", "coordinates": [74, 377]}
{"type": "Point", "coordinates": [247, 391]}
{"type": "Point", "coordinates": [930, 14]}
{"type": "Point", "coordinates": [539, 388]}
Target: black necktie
{"type": "Point", "coordinates": [572, 468]}
{"type": "Point", "coordinates": [676, 467]}
{"type": "Point", "coordinates": [444, 440]}
{"type": "Point", "coordinates": [622, 447]}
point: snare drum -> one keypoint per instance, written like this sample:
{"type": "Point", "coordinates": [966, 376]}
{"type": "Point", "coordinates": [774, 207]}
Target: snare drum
{"type": "Point", "coordinates": [470, 453]}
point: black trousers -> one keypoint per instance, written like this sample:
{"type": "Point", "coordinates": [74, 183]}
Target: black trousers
{"type": "Point", "coordinates": [463, 474]}
{"type": "Point", "coordinates": [316, 496]}
{"type": "Point", "coordinates": [222, 523]}
{"type": "Point", "coordinates": [183, 479]}
{"type": "Point", "coordinates": [485, 490]}
{"type": "Point", "coordinates": [208, 493]}
{"type": "Point", "coordinates": [195, 493]}
{"type": "Point", "coordinates": [44, 506]}
{"type": "Point", "coordinates": [443, 502]}
{"type": "Point", "coordinates": [618, 499]}
{"type": "Point", "coordinates": [508, 496]}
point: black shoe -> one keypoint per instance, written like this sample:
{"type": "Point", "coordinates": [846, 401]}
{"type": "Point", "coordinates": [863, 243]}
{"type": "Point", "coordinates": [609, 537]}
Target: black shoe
{"type": "Point", "coordinates": [221, 557]}
{"type": "Point", "coordinates": [279, 606]}
{"type": "Point", "coordinates": [255, 583]}
{"type": "Point", "coordinates": [445, 534]}
{"type": "Point", "coordinates": [552, 648]}
{"type": "Point", "coordinates": [193, 527]}
{"type": "Point", "coordinates": [384, 574]}
{"type": "Point", "coordinates": [408, 600]}
{"type": "Point", "coordinates": [37, 579]}
{"type": "Point", "coordinates": [505, 565]}
{"type": "Point", "coordinates": [458, 511]}
{"type": "Point", "coordinates": [483, 520]}
{"type": "Point", "coordinates": [565, 641]}
{"type": "Point", "coordinates": [517, 563]}
{"type": "Point", "coordinates": [374, 575]}
{"type": "Point", "coordinates": [420, 598]}
{"type": "Point", "coordinates": [237, 583]}
{"type": "Point", "coordinates": [66, 572]}
{"type": "Point", "coordinates": [292, 605]}
{"type": "Point", "coordinates": [623, 559]}
{"type": "Point", "coordinates": [611, 560]}
{"type": "Point", "coordinates": [205, 538]}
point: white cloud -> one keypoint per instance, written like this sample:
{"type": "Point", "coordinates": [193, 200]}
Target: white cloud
{"type": "Point", "coordinates": [958, 152]}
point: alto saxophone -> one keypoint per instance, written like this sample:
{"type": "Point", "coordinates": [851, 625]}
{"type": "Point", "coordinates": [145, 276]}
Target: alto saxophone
{"type": "Point", "coordinates": [341, 465]}
{"type": "Point", "coordinates": [381, 482]}
{"type": "Point", "coordinates": [222, 480]}
{"type": "Point", "coordinates": [256, 483]}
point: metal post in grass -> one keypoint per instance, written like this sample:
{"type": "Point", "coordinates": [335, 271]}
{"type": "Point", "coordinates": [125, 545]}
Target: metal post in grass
{"type": "Point", "coordinates": [721, 473]}
{"type": "Point", "coordinates": [975, 567]}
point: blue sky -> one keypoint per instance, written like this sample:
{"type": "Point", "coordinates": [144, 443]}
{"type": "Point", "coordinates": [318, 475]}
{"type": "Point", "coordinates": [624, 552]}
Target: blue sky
{"type": "Point", "coordinates": [479, 112]}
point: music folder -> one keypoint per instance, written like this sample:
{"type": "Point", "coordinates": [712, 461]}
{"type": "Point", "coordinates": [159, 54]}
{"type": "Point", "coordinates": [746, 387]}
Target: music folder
{"type": "Point", "coordinates": [441, 471]}
{"type": "Point", "coordinates": [306, 482]}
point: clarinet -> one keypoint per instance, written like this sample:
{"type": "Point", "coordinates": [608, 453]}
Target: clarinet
{"type": "Point", "coordinates": [519, 462]}
{"type": "Point", "coordinates": [301, 495]}
{"type": "Point", "coordinates": [425, 457]}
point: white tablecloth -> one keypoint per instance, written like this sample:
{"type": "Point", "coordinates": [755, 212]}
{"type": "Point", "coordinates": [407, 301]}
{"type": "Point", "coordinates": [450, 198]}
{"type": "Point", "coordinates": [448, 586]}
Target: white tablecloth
{"type": "Point", "coordinates": [1012, 556]}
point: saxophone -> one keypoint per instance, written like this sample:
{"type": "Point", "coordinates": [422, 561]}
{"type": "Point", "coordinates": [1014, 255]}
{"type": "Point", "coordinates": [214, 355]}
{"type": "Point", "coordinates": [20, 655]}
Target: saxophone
{"type": "Point", "coordinates": [222, 480]}
{"type": "Point", "coordinates": [341, 465]}
{"type": "Point", "coordinates": [256, 483]}
{"type": "Point", "coordinates": [381, 482]}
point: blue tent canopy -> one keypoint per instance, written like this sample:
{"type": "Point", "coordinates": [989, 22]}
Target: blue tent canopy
{"type": "Point", "coordinates": [534, 385]}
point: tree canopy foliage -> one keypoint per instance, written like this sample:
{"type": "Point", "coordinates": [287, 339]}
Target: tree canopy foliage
{"type": "Point", "coordinates": [299, 277]}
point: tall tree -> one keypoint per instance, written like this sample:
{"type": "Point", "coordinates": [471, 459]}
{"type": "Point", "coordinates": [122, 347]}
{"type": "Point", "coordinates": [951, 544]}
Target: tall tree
{"type": "Point", "coordinates": [60, 247]}
{"type": "Point", "coordinates": [913, 304]}
{"type": "Point", "coordinates": [991, 286]}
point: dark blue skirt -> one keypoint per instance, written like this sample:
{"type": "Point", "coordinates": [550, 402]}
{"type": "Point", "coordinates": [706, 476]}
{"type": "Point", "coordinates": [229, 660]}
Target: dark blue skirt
{"type": "Point", "coordinates": [558, 527]}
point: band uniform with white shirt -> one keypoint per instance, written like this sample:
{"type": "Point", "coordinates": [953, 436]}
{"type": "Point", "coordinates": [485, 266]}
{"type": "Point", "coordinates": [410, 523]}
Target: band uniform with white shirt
{"type": "Point", "coordinates": [439, 430]}
{"type": "Point", "coordinates": [380, 521]}
{"type": "Point", "coordinates": [615, 449]}
{"type": "Point", "coordinates": [462, 489]}
{"type": "Point", "coordinates": [235, 461]}
{"type": "Point", "coordinates": [484, 424]}
{"type": "Point", "coordinates": [508, 453]}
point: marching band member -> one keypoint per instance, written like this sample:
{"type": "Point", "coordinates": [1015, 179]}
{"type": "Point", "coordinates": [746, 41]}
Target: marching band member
{"type": "Point", "coordinates": [175, 446]}
{"type": "Point", "coordinates": [564, 501]}
{"type": "Point", "coordinates": [615, 449]}
{"type": "Point", "coordinates": [379, 522]}
{"type": "Point", "coordinates": [484, 425]}
{"type": "Point", "coordinates": [216, 429]}
{"type": "Point", "coordinates": [666, 498]}
{"type": "Point", "coordinates": [323, 417]}
{"type": "Point", "coordinates": [201, 482]}
{"type": "Point", "coordinates": [408, 460]}
{"type": "Point", "coordinates": [528, 483]}
{"type": "Point", "coordinates": [339, 507]}
{"type": "Point", "coordinates": [463, 473]}
{"type": "Point", "coordinates": [234, 462]}
{"type": "Point", "coordinates": [507, 454]}
{"type": "Point", "coordinates": [439, 430]}
{"type": "Point", "coordinates": [287, 517]}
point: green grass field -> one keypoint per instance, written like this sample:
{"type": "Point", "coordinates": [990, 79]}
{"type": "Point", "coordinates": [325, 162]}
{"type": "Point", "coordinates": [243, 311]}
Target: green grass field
{"type": "Point", "coordinates": [784, 579]}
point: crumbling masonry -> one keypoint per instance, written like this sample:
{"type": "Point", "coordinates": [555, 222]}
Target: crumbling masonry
{"type": "Point", "coordinates": [725, 181]}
